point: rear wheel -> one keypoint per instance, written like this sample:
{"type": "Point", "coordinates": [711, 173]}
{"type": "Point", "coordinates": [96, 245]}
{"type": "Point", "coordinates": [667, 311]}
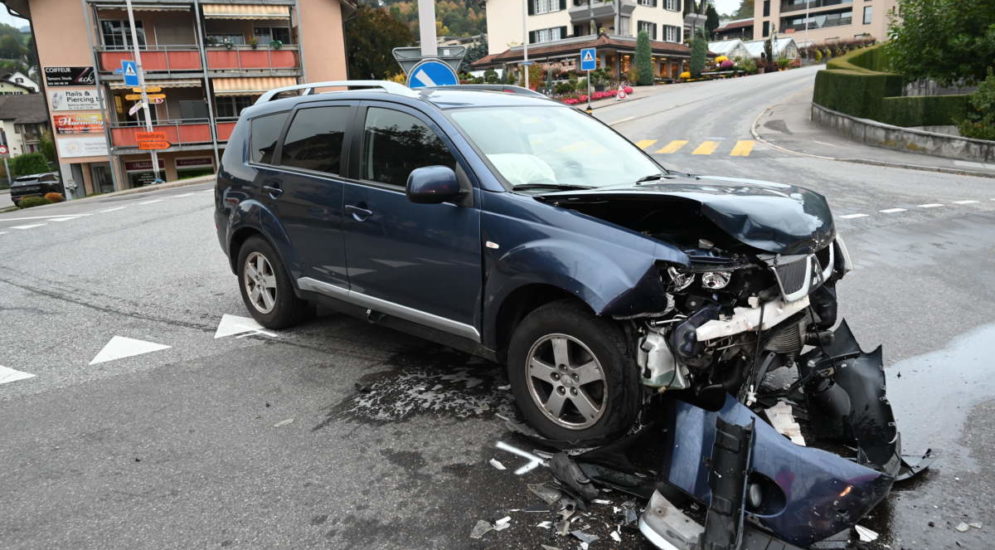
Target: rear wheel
{"type": "Point", "coordinates": [266, 288]}
{"type": "Point", "coordinates": [571, 375]}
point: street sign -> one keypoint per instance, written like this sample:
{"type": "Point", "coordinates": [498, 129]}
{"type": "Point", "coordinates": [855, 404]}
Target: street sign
{"type": "Point", "coordinates": [134, 108]}
{"type": "Point", "coordinates": [130, 71]}
{"type": "Point", "coordinates": [153, 145]}
{"type": "Point", "coordinates": [432, 72]}
{"type": "Point", "coordinates": [138, 97]}
{"type": "Point", "coordinates": [150, 136]}
{"type": "Point", "coordinates": [148, 89]}
{"type": "Point", "coordinates": [588, 59]}
{"type": "Point", "coordinates": [3, 150]}
{"type": "Point", "coordinates": [407, 58]}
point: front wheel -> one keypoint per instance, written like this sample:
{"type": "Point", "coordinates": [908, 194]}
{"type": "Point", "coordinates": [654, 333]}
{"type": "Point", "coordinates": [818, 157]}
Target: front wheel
{"type": "Point", "coordinates": [571, 375]}
{"type": "Point", "coordinates": [266, 287]}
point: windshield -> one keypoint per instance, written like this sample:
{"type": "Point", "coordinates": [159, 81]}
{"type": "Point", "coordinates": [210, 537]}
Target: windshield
{"type": "Point", "coordinates": [550, 148]}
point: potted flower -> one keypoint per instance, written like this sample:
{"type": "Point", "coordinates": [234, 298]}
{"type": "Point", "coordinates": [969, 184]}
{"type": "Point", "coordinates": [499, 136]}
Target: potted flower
{"type": "Point", "coordinates": [254, 42]}
{"type": "Point", "coordinates": [229, 44]}
{"type": "Point", "coordinates": [275, 44]}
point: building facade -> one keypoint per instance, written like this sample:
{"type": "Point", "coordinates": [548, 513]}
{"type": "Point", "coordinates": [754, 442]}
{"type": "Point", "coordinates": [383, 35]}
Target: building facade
{"type": "Point", "coordinates": [206, 61]}
{"type": "Point", "coordinates": [823, 21]}
{"type": "Point", "coordinates": [24, 121]}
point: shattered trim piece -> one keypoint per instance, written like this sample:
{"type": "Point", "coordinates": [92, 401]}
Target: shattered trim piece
{"type": "Point", "coordinates": [746, 319]}
{"type": "Point", "coordinates": [782, 417]}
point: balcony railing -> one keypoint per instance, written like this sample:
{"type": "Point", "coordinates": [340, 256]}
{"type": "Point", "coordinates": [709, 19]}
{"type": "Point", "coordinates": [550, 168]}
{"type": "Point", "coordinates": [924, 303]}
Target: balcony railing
{"type": "Point", "coordinates": [793, 6]}
{"type": "Point", "coordinates": [186, 58]}
{"type": "Point", "coordinates": [178, 132]}
{"type": "Point", "coordinates": [580, 11]}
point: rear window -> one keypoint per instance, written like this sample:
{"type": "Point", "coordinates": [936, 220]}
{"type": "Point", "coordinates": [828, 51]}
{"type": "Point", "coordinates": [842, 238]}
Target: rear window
{"type": "Point", "coordinates": [265, 134]}
{"type": "Point", "coordinates": [314, 140]}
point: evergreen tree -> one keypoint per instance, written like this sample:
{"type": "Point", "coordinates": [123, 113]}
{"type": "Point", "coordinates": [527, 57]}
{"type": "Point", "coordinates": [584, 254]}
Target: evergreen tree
{"type": "Point", "coordinates": [699, 51]}
{"type": "Point", "coordinates": [644, 61]}
{"type": "Point", "coordinates": [712, 20]}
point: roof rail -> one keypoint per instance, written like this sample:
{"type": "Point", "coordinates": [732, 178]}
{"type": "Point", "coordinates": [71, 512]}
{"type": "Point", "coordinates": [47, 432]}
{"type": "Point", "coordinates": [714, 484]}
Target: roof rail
{"type": "Point", "coordinates": [385, 85]}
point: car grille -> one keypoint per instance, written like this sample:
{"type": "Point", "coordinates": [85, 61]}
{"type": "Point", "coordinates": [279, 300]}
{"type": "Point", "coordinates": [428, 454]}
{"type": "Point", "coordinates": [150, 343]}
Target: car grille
{"type": "Point", "coordinates": [794, 276]}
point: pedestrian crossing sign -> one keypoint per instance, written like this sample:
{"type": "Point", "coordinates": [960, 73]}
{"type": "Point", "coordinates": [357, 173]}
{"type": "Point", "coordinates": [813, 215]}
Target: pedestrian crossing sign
{"type": "Point", "coordinates": [588, 59]}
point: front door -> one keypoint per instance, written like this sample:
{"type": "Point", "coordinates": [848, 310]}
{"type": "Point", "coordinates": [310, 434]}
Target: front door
{"type": "Point", "coordinates": [424, 257]}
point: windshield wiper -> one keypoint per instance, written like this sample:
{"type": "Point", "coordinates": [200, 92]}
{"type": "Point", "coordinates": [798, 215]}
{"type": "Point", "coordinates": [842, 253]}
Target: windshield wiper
{"type": "Point", "coordinates": [552, 186]}
{"type": "Point", "coordinates": [651, 177]}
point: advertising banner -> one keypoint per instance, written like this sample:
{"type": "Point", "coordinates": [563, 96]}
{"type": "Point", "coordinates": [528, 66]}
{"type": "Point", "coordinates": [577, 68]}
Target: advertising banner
{"type": "Point", "coordinates": [75, 100]}
{"type": "Point", "coordinates": [75, 147]}
{"type": "Point", "coordinates": [69, 76]}
{"type": "Point", "coordinates": [78, 123]}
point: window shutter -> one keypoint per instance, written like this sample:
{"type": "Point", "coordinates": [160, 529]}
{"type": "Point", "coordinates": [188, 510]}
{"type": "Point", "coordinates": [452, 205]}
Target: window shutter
{"type": "Point", "coordinates": [563, 32]}
{"type": "Point", "coordinates": [563, 4]}
{"type": "Point", "coordinates": [532, 37]}
{"type": "Point", "coordinates": [532, 7]}
{"type": "Point", "coordinates": [654, 3]}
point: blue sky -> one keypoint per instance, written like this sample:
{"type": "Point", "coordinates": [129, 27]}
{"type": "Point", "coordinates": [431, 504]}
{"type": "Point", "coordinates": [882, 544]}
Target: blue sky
{"type": "Point", "coordinates": [726, 6]}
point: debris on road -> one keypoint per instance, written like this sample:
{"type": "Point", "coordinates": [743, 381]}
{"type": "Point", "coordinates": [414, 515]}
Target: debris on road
{"type": "Point", "coordinates": [975, 524]}
{"type": "Point", "coordinates": [549, 495]}
{"type": "Point", "coordinates": [283, 422]}
{"type": "Point", "coordinates": [865, 534]}
{"type": "Point", "coordinates": [567, 472]}
{"type": "Point", "coordinates": [480, 529]}
{"type": "Point", "coordinates": [962, 527]}
{"type": "Point", "coordinates": [497, 464]}
{"type": "Point", "coordinates": [502, 524]}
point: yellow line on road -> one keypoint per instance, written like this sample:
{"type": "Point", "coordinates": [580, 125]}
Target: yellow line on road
{"type": "Point", "coordinates": [644, 143]}
{"type": "Point", "coordinates": [673, 146]}
{"type": "Point", "coordinates": [706, 148]}
{"type": "Point", "coordinates": [743, 148]}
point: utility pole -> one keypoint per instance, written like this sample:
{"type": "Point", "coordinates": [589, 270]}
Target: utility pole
{"type": "Point", "coordinates": [426, 28]}
{"type": "Point", "coordinates": [525, 41]}
{"type": "Point", "coordinates": [141, 84]}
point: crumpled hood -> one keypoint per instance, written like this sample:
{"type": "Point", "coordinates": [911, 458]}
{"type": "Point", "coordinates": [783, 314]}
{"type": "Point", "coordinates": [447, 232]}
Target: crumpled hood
{"type": "Point", "coordinates": [772, 217]}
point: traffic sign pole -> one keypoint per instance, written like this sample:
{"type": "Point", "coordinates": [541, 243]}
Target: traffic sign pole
{"type": "Point", "coordinates": [588, 62]}
{"type": "Point", "coordinates": [525, 41]}
{"type": "Point", "coordinates": [141, 84]}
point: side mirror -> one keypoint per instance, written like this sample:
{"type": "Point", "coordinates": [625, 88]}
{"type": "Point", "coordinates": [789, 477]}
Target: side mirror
{"type": "Point", "coordinates": [433, 185]}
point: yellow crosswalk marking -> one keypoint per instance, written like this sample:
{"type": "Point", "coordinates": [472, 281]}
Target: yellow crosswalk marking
{"type": "Point", "coordinates": [673, 146]}
{"type": "Point", "coordinates": [706, 148]}
{"type": "Point", "coordinates": [742, 148]}
{"type": "Point", "coordinates": [644, 143]}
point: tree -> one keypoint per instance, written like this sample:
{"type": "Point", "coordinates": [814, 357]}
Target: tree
{"type": "Point", "coordinates": [11, 47]}
{"type": "Point", "coordinates": [949, 41]}
{"type": "Point", "coordinates": [711, 20]}
{"type": "Point", "coordinates": [29, 163]}
{"type": "Point", "coordinates": [644, 61]}
{"type": "Point", "coordinates": [980, 120]}
{"type": "Point", "coordinates": [475, 52]}
{"type": "Point", "coordinates": [699, 51]}
{"type": "Point", "coordinates": [745, 10]}
{"type": "Point", "coordinates": [46, 147]}
{"type": "Point", "coordinates": [370, 35]}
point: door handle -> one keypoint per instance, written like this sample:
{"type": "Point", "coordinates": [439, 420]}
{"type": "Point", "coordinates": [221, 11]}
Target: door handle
{"type": "Point", "coordinates": [273, 188]}
{"type": "Point", "coordinates": [359, 213]}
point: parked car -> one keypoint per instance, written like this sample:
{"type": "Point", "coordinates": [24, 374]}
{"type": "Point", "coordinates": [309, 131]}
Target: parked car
{"type": "Point", "coordinates": [529, 233]}
{"type": "Point", "coordinates": [35, 185]}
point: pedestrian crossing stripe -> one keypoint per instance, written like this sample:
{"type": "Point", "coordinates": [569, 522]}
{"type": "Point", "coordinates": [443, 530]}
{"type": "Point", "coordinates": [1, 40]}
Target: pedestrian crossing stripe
{"type": "Point", "coordinates": [706, 148]}
{"type": "Point", "coordinates": [673, 146]}
{"type": "Point", "coordinates": [644, 143]}
{"type": "Point", "coordinates": [742, 148]}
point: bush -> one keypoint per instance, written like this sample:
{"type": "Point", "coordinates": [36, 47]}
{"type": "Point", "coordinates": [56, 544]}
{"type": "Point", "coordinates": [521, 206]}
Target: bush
{"type": "Point", "coordinates": [699, 51]}
{"type": "Point", "coordinates": [54, 197]}
{"type": "Point", "coordinates": [562, 88]}
{"type": "Point", "coordinates": [818, 56]}
{"type": "Point", "coordinates": [748, 64]}
{"type": "Point", "coordinates": [941, 110]}
{"type": "Point", "coordinates": [581, 85]}
{"type": "Point", "coordinates": [28, 202]}
{"type": "Point", "coordinates": [29, 163]}
{"type": "Point", "coordinates": [644, 60]}
{"type": "Point", "coordinates": [782, 62]}
{"type": "Point", "coordinates": [490, 76]}
{"type": "Point", "coordinates": [979, 119]}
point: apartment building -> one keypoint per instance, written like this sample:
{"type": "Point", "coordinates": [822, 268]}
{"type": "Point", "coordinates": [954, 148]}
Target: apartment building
{"type": "Point", "coordinates": [556, 29]}
{"type": "Point", "coordinates": [823, 21]}
{"type": "Point", "coordinates": [209, 60]}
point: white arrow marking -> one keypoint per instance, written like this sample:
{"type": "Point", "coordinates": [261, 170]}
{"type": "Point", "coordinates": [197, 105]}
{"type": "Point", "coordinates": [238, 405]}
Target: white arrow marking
{"type": "Point", "coordinates": [231, 325]}
{"type": "Point", "coordinates": [10, 375]}
{"type": "Point", "coordinates": [422, 76]}
{"type": "Point", "coordinates": [533, 460]}
{"type": "Point", "coordinates": [120, 347]}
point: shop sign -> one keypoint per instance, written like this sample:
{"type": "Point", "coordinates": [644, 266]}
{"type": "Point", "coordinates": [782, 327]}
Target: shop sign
{"type": "Point", "coordinates": [141, 165]}
{"type": "Point", "coordinates": [69, 76]}
{"type": "Point", "coordinates": [79, 123]}
{"type": "Point", "coordinates": [75, 100]}
{"type": "Point", "coordinates": [74, 147]}
{"type": "Point", "coordinates": [194, 162]}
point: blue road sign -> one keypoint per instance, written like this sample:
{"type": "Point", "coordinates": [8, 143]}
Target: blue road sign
{"type": "Point", "coordinates": [432, 72]}
{"type": "Point", "coordinates": [130, 71]}
{"type": "Point", "coordinates": [588, 59]}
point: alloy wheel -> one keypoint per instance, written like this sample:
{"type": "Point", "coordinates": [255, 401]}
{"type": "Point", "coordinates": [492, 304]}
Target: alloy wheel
{"type": "Point", "coordinates": [566, 381]}
{"type": "Point", "coordinates": [260, 282]}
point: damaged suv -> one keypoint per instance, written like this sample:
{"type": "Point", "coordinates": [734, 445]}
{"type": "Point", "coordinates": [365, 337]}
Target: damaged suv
{"type": "Point", "coordinates": [530, 233]}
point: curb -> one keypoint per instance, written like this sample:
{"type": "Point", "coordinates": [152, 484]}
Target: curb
{"type": "Point", "coordinates": [922, 168]}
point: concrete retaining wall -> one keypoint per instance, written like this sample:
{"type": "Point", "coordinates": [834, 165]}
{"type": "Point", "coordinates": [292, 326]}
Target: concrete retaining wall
{"type": "Point", "coordinates": [875, 133]}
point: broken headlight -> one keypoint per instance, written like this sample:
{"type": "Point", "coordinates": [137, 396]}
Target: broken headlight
{"type": "Point", "coordinates": [842, 256]}
{"type": "Point", "coordinates": [680, 279]}
{"type": "Point", "coordinates": [715, 280]}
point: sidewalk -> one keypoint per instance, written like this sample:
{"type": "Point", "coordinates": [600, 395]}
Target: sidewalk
{"type": "Point", "coordinates": [787, 126]}
{"type": "Point", "coordinates": [7, 205]}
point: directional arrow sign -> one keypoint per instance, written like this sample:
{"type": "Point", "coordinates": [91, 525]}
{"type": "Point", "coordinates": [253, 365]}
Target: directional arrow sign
{"type": "Point", "coordinates": [430, 73]}
{"type": "Point", "coordinates": [134, 108]}
{"type": "Point", "coordinates": [138, 97]}
{"type": "Point", "coordinates": [120, 347]}
{"type": "Point", "coordinates": [148, 89]}
{"type": "Point", "coordinates": [153, 145]}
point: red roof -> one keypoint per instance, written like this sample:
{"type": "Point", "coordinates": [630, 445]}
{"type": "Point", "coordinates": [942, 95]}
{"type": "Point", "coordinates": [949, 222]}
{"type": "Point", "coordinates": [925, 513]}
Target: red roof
{"type": "Point", "coordinates": [735, 25]}
{"type": "Point", "coordinates": [603, 41]}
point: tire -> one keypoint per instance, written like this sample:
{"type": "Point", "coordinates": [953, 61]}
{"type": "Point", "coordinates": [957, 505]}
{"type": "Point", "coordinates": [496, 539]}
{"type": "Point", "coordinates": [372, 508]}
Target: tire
{"type": "Point", "coordinates": [597, 383]}
{"type": "Point", "coordinates": [275, 306]}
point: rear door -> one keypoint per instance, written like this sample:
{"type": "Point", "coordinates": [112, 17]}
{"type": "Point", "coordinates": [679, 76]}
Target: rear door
{"type": "Point", "coordinates": [422, 257]}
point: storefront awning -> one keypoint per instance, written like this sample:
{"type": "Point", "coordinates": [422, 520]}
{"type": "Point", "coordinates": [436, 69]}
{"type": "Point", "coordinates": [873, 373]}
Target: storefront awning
{"type": "Point", "coordinates": [250, 86]}
{"type": "Point", "coordinates": [245, 11]}
{"type": "Point", "coordinates": [161, 84]}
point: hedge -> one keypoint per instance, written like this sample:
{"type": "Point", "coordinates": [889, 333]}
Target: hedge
{"type": "Point", "coordinates": [859, 85]}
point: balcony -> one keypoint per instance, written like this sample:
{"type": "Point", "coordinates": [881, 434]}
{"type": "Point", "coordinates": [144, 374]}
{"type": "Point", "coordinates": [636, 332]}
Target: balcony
{"type": "Point", "coordinates": [178, 132]}
{"type": "Point", "coordinates": [801, 5]}
{"type": "Point", "coordinates": [580, 10]}
{"type": "Point", "coordinates": [186, 58]}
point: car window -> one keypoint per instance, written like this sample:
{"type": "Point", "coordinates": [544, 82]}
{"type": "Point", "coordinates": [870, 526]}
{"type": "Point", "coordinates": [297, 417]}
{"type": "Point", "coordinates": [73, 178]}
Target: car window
{"type": "Point", "coordinates": [395, 143]}
{"type": "Point", "coordinates": [265, 134]}
{"type": "Point", "coordinates": [314, 140]}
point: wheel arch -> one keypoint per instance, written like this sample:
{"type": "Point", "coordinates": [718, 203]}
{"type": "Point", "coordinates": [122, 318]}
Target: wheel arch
{"type": "Point", "coordinates": [519, 303]}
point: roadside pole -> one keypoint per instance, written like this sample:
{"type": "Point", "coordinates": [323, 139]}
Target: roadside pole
{"type": "Point", "coordinates": [426, 28]}
{"type": "Point", "coordinates": [589, 62]}
{"type": "Point", "coordinates": [589, 108]}
{"type": "Point", "coordinates": [525, 41]}
{"type": "Point", "coordinates": [141, 83]}
{"type": "Point", "coordinates": [5, 152]}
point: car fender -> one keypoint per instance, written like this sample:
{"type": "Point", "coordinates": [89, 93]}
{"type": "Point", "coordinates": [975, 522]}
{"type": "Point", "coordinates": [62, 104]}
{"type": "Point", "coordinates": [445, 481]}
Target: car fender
{"type": "Point", "coordinates": [252, 214]}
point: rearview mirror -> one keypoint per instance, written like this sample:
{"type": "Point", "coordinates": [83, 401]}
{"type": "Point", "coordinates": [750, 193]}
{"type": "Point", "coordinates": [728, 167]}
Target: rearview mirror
{"type": "Point", "coordinates": [433, 185]}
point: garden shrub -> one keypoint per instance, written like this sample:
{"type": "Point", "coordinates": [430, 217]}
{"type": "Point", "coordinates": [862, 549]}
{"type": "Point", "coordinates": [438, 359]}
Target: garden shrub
{"type": "Point", "coordinates": [54, 197]}
{"type": "Point", "coordinates": [979, 116]}
{"type": "Point", "coordinates": [28, 202]}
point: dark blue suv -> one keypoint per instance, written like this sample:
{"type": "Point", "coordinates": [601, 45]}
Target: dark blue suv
{"type": "Point", "coordinates": [618, 293]}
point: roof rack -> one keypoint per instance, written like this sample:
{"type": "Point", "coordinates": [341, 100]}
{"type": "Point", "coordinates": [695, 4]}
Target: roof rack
{"type": "Point", "coordinates": [385, 85]}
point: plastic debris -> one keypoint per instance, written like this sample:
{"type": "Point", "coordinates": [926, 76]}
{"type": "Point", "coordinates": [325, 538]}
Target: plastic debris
{"type": "Point", "coordinates": [865, 534]}
{"type": "Point", "coordinates": [782, 417]}
{"type": "Point", "coordinates": [584, 537]}
{"type": "Point", "coordinates": [283, 422]}
{"type": "Point", "coordinates": [544, 524]}
{"type": "Point", "coordinates": [502, 524]}
{"type": "Point", "coordinates": [962, 527]}
{"type": "Point", "coordinates": [505, 387]}
{"type": "Point", "coordinates": [975, 524]}
{"type": "Point", "coordinates": [601, 501]}
{"type": "Point", "coordinates": [548, 494]}
{"type": "Point", "coordinates": [562, 527]}
{"type": "Point", "coordinates": [629, 513]}
{"type": "Point", "coordinates": [616, 536]}
{"type": "Point", "coordinates": [497, 464]}
{"type": "Point", "coordinates": [480, 529]}
{"type": "Point", "coordinates": [568, 472]}
{"type": "Point", "coordinates": [547, 547]}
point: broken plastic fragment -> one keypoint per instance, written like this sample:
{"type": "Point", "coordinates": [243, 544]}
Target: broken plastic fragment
{"type": "Point", "coordinates": [583, 537]}
{"type": "Point", "coordinates": [283, 422]}
{"type": "Point", "coordinates": [547, 547]}
{"type": "Point", "coordinates": [480, 529]}
{"type": "Point", "coordinates": [562, 527]}
{"type": "Point", "coordinates": [616, 537]}
{"type": "Point", "coordinates": [975, 524]}
{"type": "Point", "coordinates": [566, 470]}
{"type": "Point", "coordinates": [548, 494]}
{"type": "Point", "coordinates": [962, 527]}
{"type": "Point", "coordinates": [544, 524]}
{"type": "Point", "coordinates": [497, 464]}
{"type": "Point", "coordinates": [503, 522]}
{"type": "Point", "coordinates": [783, 419]}
{"type": "Point", "coordinates": [865, 534]}
{"type": "Point", "coordinates": [601, 501]}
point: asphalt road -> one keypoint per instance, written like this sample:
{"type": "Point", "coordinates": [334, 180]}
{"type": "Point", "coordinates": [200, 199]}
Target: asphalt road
{"type": "Point", "coordinates": [259, 440]}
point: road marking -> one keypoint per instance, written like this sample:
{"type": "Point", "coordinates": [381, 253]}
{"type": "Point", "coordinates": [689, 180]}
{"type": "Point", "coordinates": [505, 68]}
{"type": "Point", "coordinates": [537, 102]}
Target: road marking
{"type": "Point", "coordinates": [743, 148]}
{"type": "Point", "coordinates": [853, 216]}
{"type": "Point", "coordinates": [185, 195]}
{"type": "Point", "coordinates": [26, 226]}
{"type": "Point", "coordinates": [64, 219]}
{"type": "Point", "coordinates": [24, 218]}
{"type": "Point", "coordinates": [621, 120]}
{"type": "Point", "coordinates": [8, 375]}
{"type": "Point", "coordinates": [644, 143]}
{"type": "Point", "coordinates": [233, 324]}
{"type": "Point", "coordinates": [673, 146]}
{"type": "Point", "coordinates": [120, 347]}
{"type": "Point", "coordinates": [892, 210]}
{"type": "Point", "coordinates": [966, 202]}
{"type": "Point", "coordinates": [706, 148]}
{"type": "Point", "coordinates": [970, 164]}
{"type": "Point", "coordinates": [930, 205]}
{"type": "Point", "coordinates": [3, 232]}
{"type": "Point", "coordinates": [115, 209]}
{"type": "Point", "coordinates": [151, 201]}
